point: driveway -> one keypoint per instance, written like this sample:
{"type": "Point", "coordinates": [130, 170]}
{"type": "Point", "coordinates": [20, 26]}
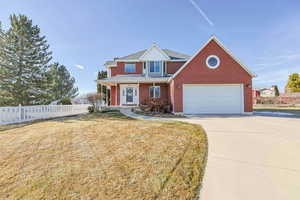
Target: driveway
{"type": "Point", "coordinates": [253, 157]}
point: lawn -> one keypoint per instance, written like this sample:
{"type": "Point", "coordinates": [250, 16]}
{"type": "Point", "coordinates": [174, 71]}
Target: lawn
{"type": "Point", "coordinates": [101, 156]}
{"type": "Point", "coordinates": [293, 110]}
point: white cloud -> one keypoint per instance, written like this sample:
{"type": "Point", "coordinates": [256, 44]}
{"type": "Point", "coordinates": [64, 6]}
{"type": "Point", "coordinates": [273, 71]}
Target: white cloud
{"type": "Point", "coordinates": [277, 61]}
{"type": "Point", "coordinates": [202, 13]}
{"type": "Point", "coordinates": [290, 56]}
{"type": "Point", "coordinates": [79, 66]}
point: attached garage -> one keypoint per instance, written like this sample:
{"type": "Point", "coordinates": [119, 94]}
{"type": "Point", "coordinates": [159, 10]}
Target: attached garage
{"type": "Point", "coordinates": [213, 99]}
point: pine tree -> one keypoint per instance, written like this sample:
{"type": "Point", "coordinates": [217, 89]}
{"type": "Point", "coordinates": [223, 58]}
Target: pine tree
{"type": "Point", "coordinates": [276, 90]}
{"type": "Point", "coordinates": [24, 58]}
{"type": "Point", "coordinates": [61, 85]}
{"type": "Point", "coordinates": [101, 89]}
{"type": "Point", "coordinates": [5, 98]}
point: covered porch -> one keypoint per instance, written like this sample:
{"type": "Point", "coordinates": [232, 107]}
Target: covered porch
{"type": "Point", "coordinates": [132, 91]}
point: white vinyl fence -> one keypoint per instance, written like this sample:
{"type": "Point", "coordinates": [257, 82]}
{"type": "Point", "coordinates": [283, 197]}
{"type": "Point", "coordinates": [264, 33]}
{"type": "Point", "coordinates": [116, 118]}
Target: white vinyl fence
{"type": "Point", "coordinates": [9, 115]}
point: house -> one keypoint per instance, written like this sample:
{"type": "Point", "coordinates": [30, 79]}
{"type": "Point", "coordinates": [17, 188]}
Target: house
{"type": "Point", "coordinates": [268, 92]}
{"type": "Point", "coordinates": [212, 81]}
{"type": "Point", "coordinates": [255, 95]}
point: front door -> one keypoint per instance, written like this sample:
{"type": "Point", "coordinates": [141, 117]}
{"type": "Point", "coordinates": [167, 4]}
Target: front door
{"type": "Point", "coordinates": [129, 95]}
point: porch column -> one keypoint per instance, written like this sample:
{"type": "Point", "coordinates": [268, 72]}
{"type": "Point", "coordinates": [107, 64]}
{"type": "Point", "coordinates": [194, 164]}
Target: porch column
{"type": "Point", "coordinates": [138, 93]}
{"type": "Point", "coordinates": [116, 99]}
{"type": "Point", "coordinates": [106, 96]}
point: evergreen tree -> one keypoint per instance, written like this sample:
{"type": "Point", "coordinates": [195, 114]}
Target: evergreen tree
{"type": "Point", "coordinates": [24, 58]}
{"type": "Point", "coordinates": [5, 98]}
{"type": "Point", "coordinates": [276, 90]}
{"type": "Point", "coordinates": [61, 85]}
{"type": "Point", "coordinates": [101, 89]}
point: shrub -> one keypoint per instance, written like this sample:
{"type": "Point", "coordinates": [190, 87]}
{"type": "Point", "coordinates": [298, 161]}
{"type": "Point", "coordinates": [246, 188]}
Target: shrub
{"type": "Point", "coordinates": [155, 105]}
{"type": "Point", "coordinates": [91, 109]}
{"type": "Point", "coordinates": [65, 101]}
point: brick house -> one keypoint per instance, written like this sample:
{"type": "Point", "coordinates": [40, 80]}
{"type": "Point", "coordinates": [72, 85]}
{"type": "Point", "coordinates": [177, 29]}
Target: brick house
{"type": "Point", "coordinates": [210, 82]}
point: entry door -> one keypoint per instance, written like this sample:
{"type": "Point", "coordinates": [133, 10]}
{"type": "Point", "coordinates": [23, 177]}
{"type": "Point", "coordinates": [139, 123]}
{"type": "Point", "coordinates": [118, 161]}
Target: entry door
{"type": "Point", "coordinates": [129, 95]}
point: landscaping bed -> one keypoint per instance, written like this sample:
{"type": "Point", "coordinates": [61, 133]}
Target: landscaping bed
{"type": "Point", "coordinates": [102, 156]}
{"type": "Point", "coordinates": [155, 114]}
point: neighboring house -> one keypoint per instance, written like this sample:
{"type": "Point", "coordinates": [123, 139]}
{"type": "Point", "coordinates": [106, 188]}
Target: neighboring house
{"type": "Point", "coordinates": [210, 82]}
{"type": "Point", "coordinates": [268, 92]}
{"type": "Point", "coordinates": [255, 95]}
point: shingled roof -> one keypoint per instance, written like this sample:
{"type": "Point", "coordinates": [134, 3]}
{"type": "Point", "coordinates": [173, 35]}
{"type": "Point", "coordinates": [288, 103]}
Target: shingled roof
{"type": "Point", "coordinates": [172, 54]}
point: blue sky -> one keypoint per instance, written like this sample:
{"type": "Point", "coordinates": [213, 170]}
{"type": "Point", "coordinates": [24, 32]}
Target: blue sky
{"type": "Point", "coordinates": [264, 35]}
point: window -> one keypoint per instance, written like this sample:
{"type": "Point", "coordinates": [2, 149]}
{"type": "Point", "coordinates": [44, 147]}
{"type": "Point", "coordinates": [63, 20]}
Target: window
{"type": "Point", "coordinates": [154, 91]}
{"type": "Point", "coordinates": [212, 61]}
{"type": "Point", "coordinates": [129, 67]}
{"type": "Point", "coordinates": [155, 66]}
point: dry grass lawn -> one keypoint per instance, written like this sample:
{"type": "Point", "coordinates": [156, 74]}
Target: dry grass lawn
{"type": "Point", "coordinates": [292, 110]}
{"type": "Point", "coordinates": [101, 156]}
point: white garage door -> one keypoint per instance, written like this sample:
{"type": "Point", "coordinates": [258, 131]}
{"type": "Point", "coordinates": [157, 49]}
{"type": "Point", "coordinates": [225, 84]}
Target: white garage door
{"type": "Point", "coordinates": [213, 99]}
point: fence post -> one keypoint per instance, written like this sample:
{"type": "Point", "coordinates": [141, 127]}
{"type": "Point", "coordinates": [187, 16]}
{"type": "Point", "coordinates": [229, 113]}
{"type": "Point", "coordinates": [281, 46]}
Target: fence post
{"type": "Point", "coordinates": [20, 112]}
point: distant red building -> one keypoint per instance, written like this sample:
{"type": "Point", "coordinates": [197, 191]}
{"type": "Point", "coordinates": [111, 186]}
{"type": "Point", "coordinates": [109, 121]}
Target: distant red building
{"type": "Point", "coordinates": [255, 94]}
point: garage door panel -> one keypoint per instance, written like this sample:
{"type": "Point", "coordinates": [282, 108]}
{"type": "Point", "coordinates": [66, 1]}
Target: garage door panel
{"type": "Point", "coordinates": [212, 99]}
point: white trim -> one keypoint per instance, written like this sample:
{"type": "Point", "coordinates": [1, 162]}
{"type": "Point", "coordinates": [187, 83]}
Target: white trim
{"type": "Point", "coordinates": [108, 66]}
{"type": "Point", "coordinates": [242, 103]}
{"type": "Point", "coordinates": [128, 60]}
{"type": "Point", "coordinates": [226, 50]}
{"type": "Point", "coordinates": [154, 46]}
{"type": "Point", "coordinates": [179, 60]}
{"type": "Point", "coordinates": [132, 65]}
{"type": "Point", "coordinates": [178, 113]}
{"type": "Point", "coordinates": [135, 97]}
{"type": "Point", "coordinates": [154, 86]}
{"type": "Point", "coordinates": [160, 73]}
{"type": "Point", "coordinates": [137, 60]}
{"type": "Point", "coordinates": [218, 61]}
{"type": "Point", "coordinates": [248, 113]}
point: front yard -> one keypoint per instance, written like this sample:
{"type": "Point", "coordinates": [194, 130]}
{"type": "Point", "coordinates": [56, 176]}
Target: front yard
{"type": "Point", "coordinates": [101, 156]}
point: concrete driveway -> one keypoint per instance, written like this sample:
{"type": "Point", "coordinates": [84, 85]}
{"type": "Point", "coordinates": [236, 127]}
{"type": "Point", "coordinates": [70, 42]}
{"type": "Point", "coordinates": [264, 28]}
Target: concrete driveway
{"type": "Point", "coordinates": [251, 158]}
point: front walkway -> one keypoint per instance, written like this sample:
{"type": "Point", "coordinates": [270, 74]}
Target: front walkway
{"type": "Point", "coordinates": [129, 113]}
{"type": "Point", "coordinates": [250, 157]}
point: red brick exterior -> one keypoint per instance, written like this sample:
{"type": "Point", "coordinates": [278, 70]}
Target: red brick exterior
{"type": "Point", "coordinates": [196, 72]}
{"type": "Point", "coordinates": [120, 69]}
{"type": "Point", "coordinates": [144, 93]}
{"type": "Point", "coordinates": [172, 67]}
{"type": "Point", "coordinates": [113, 95]}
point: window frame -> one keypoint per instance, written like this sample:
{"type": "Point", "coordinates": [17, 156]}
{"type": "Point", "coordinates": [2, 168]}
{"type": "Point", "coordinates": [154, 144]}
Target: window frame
{"type": "Point", "coordinates": [154, 93]}
{"type": "Point", "coordinates": [130, 71]}
{"type": "Point", "coordinates": [154, 67]}
{"type": "Point", "coordinates": [218, 62]}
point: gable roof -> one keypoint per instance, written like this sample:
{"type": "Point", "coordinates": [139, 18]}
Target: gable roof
{"type": "Point", "coordinates": [173, 55]}
{"type": "Point", "coordinates": [154, 52]}
{"type": "Point", "coordinates": [110, 63]}
{"type": "Point", "coordinates": [225, 49]}
{"type": "Point", "coordinates": [134, 56]}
